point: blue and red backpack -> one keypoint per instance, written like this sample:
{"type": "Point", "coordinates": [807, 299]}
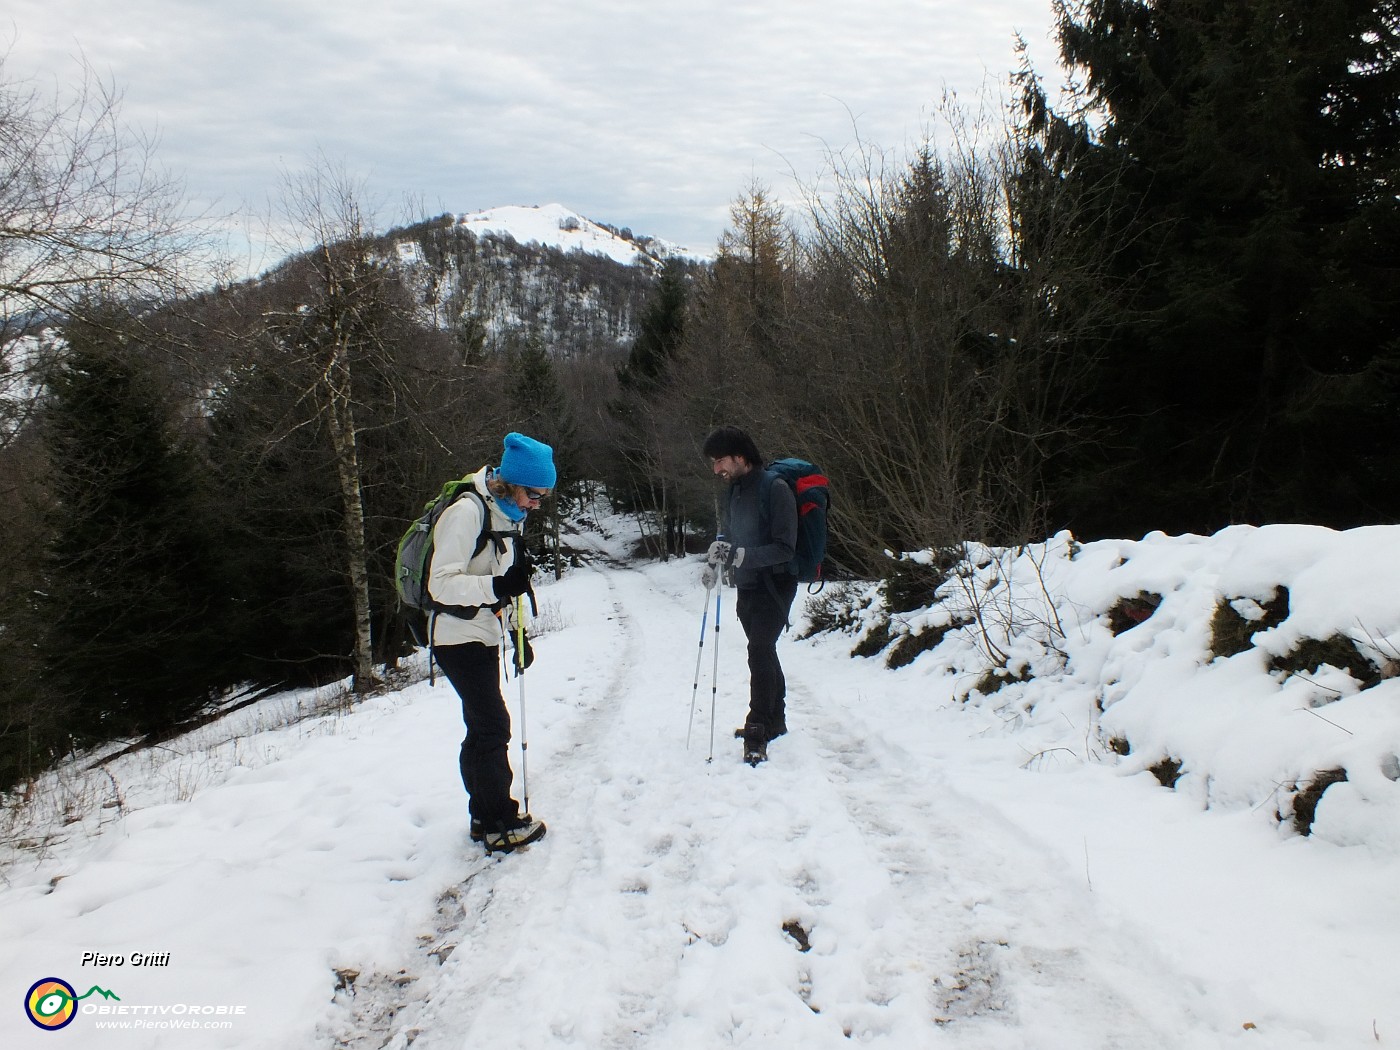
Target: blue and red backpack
{"type": "Point", "coordinates": [809, 485]}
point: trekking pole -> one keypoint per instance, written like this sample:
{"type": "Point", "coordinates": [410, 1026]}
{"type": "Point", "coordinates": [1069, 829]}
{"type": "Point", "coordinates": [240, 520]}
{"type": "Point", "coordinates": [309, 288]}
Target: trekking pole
{"type": "Point", "coordinates": [520, 676]}
{"type": "Point", "coordinates": [704, 617]}
{"type": "Point", "coordinates": [714, 677]}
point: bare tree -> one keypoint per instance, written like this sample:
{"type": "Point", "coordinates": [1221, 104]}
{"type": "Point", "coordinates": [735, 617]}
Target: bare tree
{"type": "Point", "coordinates": [894, 332]}
{"type": "Point", "coordinates": [86, 216]}
{"type": "Point", "coordinates": [742, 309]}
{"type": "Point", "coordinates": [345, 282]}
{"type": "Point", "coordinates": [83, 206]}
{"type": "Point", "coordinates": [934, 323]}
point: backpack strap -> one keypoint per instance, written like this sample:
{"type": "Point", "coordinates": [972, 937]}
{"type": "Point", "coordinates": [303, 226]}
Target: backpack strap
{"type": "Point", "coordinates": [765, 493]}
{"type": "Point", "coordinates": [495, 536]}
{"type": "Point", "coordinates": [765, 497]}
{"type": "Point", "coordinates": [765, 501]}
{"type": "Point", "coordinates": [432, 649]}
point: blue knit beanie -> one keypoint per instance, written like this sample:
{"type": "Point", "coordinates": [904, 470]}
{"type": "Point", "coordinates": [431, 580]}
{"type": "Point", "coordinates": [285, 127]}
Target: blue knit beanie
{"type": "Point", "coordinates": [527, 462]}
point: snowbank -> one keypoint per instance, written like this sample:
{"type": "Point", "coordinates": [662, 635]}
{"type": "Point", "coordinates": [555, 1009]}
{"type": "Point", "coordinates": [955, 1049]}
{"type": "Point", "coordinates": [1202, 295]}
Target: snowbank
{"type": "Point", "coordinates": [1252, 669]}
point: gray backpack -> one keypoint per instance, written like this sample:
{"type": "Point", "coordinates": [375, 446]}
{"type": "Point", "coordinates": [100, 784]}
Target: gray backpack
{"type": "Point", "coordinates": [414, 560]}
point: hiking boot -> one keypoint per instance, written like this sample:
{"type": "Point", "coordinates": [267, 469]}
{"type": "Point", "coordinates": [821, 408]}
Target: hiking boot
{"type": "Point", "coordinates": [512, 833]}
{"type": "Point", "coordinates": [755, 743]}
{"type": "Point", "coordinates": [479, 826]}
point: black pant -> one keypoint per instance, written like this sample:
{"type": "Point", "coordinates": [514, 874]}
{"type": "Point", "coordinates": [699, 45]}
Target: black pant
{"type": "Point", "coordinates": [763, 611]}
{"type": "Point", "coordinates": [474, 671]}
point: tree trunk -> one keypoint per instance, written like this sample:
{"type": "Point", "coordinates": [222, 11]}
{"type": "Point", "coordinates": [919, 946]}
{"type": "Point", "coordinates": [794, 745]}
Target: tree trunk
{"type": "Point", "coordinates": [341, 416]}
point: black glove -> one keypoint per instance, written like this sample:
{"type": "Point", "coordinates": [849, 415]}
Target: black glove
{"type": "Point", "coordinates": [528, 658]}
{"type": "Point", "coordinates": [514, 582]}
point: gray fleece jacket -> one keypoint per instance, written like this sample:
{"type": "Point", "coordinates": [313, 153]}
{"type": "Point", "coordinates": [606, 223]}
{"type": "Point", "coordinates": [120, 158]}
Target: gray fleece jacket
{"type": "Point", "coordinates": [769, 539]}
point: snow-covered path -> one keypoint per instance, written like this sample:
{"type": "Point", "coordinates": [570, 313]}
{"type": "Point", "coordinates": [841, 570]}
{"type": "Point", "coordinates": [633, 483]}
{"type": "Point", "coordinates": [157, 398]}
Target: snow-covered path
{"type": "Point", "coordinates": [902, 873]}
{"type": "Point", "coordinates": [654, 914]}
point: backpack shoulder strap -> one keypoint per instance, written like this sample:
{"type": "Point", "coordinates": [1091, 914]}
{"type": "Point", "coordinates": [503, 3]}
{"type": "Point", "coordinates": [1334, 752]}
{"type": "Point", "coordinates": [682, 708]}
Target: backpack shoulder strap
{"type": "Point", "coordinates": [765, 495]}
{"type": "Point", "coordinates": [494, 536]}
{"type": "Point", "coordinates": [487, 534]}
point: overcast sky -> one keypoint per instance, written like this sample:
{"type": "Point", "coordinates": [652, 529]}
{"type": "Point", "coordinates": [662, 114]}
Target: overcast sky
{"type": "Point", "coordinates": [649, 114]}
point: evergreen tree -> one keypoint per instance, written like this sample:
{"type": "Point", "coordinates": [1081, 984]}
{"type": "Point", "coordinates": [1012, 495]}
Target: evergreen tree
{"type": "Point", "coordinates": [645, 376]}
{"type": "Point", "coordinates": [130, 636]}
{"type": "Point", "coordinates": [289, 610]}
{"type": "Point", "coordinates": [537, 402]}
{"type": "Point", "coordinates": [540, 409]}
{"type": "Point", "coordinates": [659, 334]}
{"type": "Point", "coordinates": [638, 472]}
{"type": "Point", "coordinates": [1239, 158]}
{"type": "Point", "coordinates": [35, 718]}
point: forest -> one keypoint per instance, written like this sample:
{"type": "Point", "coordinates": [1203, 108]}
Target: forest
{"type": "Point", "coordinates": [1163, 298]}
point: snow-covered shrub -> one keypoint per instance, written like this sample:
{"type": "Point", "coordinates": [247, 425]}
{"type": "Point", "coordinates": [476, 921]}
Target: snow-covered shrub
{"type": "Point", "coordinates": [1127, 613]}
{"type": "Point", "coordinates": [1339, 651]}
{"type": "Point", "coordinates": [1167, 771]}
{"type": "Point", "coordinates": [875, 637]}
{"type": "Point", "coordinates": [908, 645]}
{"type": "Point", "coordinates": [1237, 620]}
{"type": "Point", "coordinates": [837, 608]}
{"type": "Point", "coordinates": [1306, 800]}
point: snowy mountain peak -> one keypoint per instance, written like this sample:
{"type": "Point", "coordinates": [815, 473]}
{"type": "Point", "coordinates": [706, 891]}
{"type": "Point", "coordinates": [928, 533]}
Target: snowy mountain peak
{"type": "Point", "coordinates": [556, 226]}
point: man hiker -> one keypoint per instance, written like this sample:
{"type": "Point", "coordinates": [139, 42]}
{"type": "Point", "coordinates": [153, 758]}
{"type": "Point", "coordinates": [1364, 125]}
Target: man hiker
{"type": "Point", "coordinates": [484, 583]}
{"type": "Point", "coordinates": [758, 544]}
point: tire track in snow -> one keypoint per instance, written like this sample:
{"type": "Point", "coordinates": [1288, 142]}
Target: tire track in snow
{"type": "Point", "coordinates": [975, 909]}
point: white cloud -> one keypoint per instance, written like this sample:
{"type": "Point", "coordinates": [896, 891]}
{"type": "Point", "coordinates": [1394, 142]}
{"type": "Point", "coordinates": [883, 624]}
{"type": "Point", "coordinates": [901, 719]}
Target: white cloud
{"type": "Point", "coordinates": [647, 114]}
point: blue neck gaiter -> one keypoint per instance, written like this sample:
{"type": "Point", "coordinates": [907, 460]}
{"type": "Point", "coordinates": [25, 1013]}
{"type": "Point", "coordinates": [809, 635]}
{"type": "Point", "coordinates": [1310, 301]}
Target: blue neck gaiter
{"type": "Point", "coordinates": [507, 506]}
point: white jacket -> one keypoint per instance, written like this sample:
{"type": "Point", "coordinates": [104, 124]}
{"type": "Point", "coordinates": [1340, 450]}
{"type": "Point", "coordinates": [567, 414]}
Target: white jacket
{"type": "Point", "coordinates": [456, 577]}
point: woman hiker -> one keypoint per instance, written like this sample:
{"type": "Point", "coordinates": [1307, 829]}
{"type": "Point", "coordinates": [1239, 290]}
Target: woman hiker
{"type": "Point", "coordinates": [483, 582]}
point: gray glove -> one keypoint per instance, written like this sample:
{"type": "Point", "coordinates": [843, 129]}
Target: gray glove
{"type": "Point", "coordinates": [710, 576]}
{"type": "Point", "coordinates": [719, 552]}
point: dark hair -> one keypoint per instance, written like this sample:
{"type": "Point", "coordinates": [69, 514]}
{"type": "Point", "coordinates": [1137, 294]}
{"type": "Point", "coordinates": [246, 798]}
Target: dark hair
{"type": "Point", "coordinates": [731, 441]}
